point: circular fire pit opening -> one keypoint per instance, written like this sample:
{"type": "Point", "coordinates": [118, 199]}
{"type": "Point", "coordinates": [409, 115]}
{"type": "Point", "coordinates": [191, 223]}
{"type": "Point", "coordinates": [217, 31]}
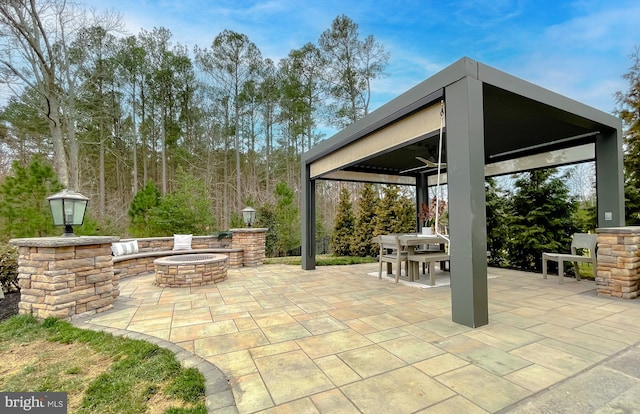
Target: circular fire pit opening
{"type": "Point", "coordinates": [191, 269]}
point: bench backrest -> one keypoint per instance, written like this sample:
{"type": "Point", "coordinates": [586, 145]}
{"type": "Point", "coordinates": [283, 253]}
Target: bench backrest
{"type": "Point", "coordinates": [584, 241]}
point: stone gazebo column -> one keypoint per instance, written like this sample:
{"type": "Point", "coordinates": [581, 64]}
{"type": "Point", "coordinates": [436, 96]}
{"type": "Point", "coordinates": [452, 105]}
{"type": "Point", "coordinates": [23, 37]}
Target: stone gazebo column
{"type": "Point", "coordinates": [252, 241]}
{"type": "Point", "coordinates": [618, 262]}
{"type": "Point", "coordinates": [65, 276]}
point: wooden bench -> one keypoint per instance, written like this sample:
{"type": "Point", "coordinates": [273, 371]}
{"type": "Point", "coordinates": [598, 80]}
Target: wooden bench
{"type": "Point", "coordinates": [429, 258]}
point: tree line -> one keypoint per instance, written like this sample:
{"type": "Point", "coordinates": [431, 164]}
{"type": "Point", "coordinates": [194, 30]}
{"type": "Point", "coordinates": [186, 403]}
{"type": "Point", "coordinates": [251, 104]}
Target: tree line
{"type": "Point", "coordinates": [113, 112]}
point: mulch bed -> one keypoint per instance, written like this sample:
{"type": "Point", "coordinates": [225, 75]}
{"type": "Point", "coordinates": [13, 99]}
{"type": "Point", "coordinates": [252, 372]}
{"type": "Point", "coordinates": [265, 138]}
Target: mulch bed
{"type": "Point", "coordinates": [9, 305]}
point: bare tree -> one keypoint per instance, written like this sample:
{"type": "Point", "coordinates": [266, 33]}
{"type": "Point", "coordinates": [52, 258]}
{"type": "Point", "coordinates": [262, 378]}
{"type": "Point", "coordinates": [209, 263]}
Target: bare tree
{"type": "Point", "coordinates": [232, 62]}
{"type": "Point", "coordinates": [35, 52]}
{"type": "Point", "coordinates": [352, 64]}
{"type": "Point", "coordinates": [28, 57]}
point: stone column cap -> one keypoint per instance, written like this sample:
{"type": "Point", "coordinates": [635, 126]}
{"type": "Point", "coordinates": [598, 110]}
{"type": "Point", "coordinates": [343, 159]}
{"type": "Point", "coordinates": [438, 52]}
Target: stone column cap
{"type": "Point", "coordinates": [618, 230]}
{"type": "Point", "coordinates": [250, 230]}
{"type": "Point", "coordinates": [63, 241]}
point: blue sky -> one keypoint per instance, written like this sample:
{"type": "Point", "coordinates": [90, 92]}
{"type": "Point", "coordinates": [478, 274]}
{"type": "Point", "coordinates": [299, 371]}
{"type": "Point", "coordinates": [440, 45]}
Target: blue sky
{"type": "Point", "coordinates": [577, 48]}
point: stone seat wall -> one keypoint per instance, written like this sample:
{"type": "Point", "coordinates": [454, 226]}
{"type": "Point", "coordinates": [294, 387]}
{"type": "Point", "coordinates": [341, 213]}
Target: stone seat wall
{"type": "Point", "coordinates": [66, 276]}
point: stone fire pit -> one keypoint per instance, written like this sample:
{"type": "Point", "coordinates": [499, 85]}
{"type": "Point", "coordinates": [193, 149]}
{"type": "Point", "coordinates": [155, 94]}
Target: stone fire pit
{"type": "Point", "coordinates": [190, 269]}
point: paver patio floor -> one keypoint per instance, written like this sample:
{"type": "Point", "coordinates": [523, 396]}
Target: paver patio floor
{"type": "Point", "coordinates": [337, 340]}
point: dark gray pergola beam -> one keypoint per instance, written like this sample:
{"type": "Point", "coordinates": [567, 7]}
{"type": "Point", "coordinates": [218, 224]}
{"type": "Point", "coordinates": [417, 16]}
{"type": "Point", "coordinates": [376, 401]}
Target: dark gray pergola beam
{"type": "Point", "coordinates": [308, 213]}
{"type": "Point", "coordinates": [610, 179]}
{"type": "Point", "coordinates": [467, 215]}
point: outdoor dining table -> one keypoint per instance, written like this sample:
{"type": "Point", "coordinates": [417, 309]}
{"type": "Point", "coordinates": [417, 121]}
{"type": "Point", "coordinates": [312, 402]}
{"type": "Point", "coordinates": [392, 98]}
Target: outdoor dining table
{"type": "Point", "coordinates": [411, 240]}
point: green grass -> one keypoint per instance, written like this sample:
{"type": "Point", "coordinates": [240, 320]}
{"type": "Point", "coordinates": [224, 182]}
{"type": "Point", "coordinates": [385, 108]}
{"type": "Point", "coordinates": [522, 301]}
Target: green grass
{"type": "Point", "coordinates": [138, 370]}
{"type": "Point", "coordinates": [322, 260]}
{"type": "Point", "coordinates": [586, 270]}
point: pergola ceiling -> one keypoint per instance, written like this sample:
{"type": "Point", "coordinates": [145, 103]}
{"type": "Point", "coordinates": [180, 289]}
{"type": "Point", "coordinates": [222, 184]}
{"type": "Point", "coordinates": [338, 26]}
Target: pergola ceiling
{"type": "Point", "coordinates": [515, 127]}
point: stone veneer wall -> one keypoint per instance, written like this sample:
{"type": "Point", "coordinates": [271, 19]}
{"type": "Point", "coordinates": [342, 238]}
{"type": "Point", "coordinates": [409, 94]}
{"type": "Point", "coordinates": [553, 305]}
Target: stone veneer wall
{"type": "Point", "coordinates": [203, 270]}
{"type": "Point", "coordinates": [252, 241]}
{"type": "Point", "coordinates": [618, 262]}
{"type": "Point", "coordinates": [137, 264]}
{"type": "Point", "coordinates": [65, 276]}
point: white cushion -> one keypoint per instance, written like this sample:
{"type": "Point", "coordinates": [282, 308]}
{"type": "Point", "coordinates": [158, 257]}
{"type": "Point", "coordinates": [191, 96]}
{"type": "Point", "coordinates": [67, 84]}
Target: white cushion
{"type": "Point", "coordinates": [121, 248]}
{"type": "Point", "coordinates": [182, 241]}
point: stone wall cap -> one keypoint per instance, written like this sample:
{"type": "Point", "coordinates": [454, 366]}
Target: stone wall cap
{"type": "Point", "coordinates": [63, 241]}
{"type": "Point", "coordinates": [250, 230]}
{"type": "Point", "coordinates": [165, 238]}
{"type": "Point", "coordinates": [618, 230]}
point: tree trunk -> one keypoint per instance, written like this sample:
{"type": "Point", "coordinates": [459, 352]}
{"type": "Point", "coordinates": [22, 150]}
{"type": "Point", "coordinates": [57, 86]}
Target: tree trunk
{"type": "Point", "coordinates": [59, 155]}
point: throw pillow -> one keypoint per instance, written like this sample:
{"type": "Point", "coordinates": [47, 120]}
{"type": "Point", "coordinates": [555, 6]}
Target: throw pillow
{"type": "Point", "coordinates": [182, 241]}
{"type": "Point", "coordinates": [121, 248]}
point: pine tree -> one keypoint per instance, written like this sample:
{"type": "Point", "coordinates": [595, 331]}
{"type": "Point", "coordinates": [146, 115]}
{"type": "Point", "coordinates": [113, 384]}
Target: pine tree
{"type": "Point", "coordinates": [287, 218]}
{"type": "Point", "coordinates": [23, 200]}
{"type": "Point", "coordinates": [140, 210]}
{"type": "Point", "coordinates": [394, 213]}
{"type": "Point", "coordinates": [365, 223]}
{"type": "Point", "coordinates": [629, 111]}
{"type": "Point", "coordinates": [185, 210]}
{"type": "Point", "coordinates": [542, 218]}
{"type": "Point", "coordinates": [344, 225]}
{"type": "Point", "coordinates": [497, 228]}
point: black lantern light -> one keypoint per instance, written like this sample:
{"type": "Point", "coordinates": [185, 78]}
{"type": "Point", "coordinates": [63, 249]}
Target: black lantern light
{"type": "Point", "coordinates": [67, 209]}
{"type": "Point", "coordinates": [249, 216]}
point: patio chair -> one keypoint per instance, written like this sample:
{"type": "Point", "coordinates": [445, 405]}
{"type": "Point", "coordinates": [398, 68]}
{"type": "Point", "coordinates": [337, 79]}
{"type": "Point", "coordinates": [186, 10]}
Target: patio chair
{"type": "Point", "coordinates": [579, 241]}
{"type": "Point", "coordinates": [391, 252]}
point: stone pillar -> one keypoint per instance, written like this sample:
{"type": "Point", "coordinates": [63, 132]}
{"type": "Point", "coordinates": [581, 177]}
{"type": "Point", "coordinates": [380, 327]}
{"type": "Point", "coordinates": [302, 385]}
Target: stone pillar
{"type": "Point", "coordinates": [65, 276]}
{"type": "Point", "coordinates": [252, 241]}
{"type": "Point", "coordinates": [618, 262]}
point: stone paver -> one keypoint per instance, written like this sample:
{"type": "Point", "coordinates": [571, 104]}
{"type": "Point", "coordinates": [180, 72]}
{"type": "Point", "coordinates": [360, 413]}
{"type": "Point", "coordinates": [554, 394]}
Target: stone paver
{"type": "Point", "coordinates": [275, 339]}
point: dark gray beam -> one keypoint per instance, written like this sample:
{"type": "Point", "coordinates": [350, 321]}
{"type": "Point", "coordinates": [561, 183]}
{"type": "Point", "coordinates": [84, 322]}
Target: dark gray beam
{"type": "Point", "coordinates": [467, 216]}
{"type": "Point", "coordinates": [610, 179]}
{"type": "Point", "coordinates": [308, 215]}
{"type": "Point", "coordinates": [422, 196]}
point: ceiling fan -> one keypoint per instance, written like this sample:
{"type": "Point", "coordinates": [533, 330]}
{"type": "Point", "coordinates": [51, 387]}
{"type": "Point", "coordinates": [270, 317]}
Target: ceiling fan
{"type": "Point", "coordinates": [428, 165]}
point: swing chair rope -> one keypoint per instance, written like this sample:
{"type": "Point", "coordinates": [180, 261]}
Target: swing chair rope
{"type": "Point", "coordinates": [438, 189]}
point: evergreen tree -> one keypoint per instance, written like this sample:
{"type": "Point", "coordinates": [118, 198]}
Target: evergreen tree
{"type": "Point", "coordinates": [542, 218]}
{"type": "Point", "coordinates": [344, 225]}
{"type": "Point", "coordinates": [497, 227]}
{"type": "Point", "coordinates": [266, 218]}
{"type": "Point", "coordinates": [586, 217]}
{"type": "Point", "coordinates": [141, 208]}
{"type": "Point", "coordinates": [287, 219]}
{"type": "Point", "coordinates": [186, 210]}
{"type": "Point", "coordinates": [394, 213]}
{"type": "Point", "coordinates": [365, 223]}
{"type": "Point", "coordinates": [24, 209]}
{"type": "Point", "coordinates": [629, 111]}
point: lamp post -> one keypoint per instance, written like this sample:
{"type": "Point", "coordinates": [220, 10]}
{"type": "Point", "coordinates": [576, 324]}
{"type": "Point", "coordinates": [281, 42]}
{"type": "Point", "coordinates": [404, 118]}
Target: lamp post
{"type": "Point", "coordinates": [248, 215]}
{"type": "Point", "coordinates": [68, 209]}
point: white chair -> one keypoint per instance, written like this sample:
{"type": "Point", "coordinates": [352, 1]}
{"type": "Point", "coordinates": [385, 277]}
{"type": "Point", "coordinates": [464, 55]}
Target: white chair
{"type": "Point", "coordinates": [579, 241]}
{"type": "Point", "coordinates": [391, 252]}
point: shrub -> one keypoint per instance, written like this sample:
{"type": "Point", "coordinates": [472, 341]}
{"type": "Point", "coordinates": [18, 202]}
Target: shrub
{"type": "Point", "coordinates": [8, 267]}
